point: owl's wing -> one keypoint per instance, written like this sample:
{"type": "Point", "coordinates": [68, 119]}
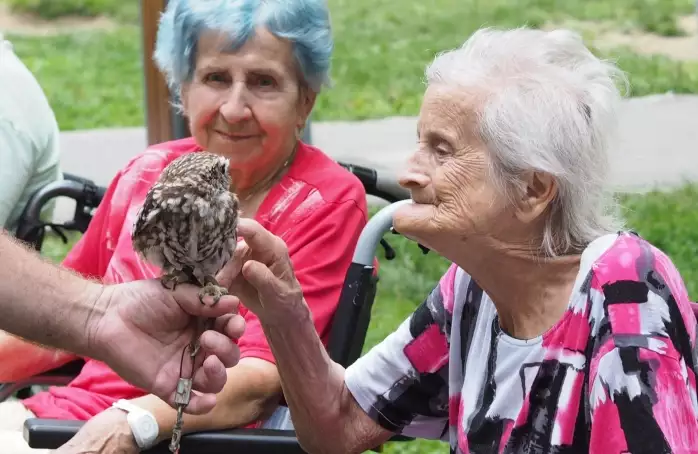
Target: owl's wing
{"type": "Point", "coordinates": [148, 213]}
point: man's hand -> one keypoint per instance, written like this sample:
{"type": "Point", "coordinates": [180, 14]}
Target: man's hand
{"type": "Point", "coordinates": [140, 329]}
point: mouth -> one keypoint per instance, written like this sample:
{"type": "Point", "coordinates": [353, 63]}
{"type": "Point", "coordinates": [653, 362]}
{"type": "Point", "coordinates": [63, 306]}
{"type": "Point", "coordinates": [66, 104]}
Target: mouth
{"type": "Point", "coordinates": [422, 200]}
{"type": "Point", "coordinates": [235, 137]}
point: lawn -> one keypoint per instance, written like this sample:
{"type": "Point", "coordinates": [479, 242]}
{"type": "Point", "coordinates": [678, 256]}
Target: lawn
{"type": "Point", "coordinates": [94, 79]}
{"type": "Point", "coordinates": [379, 59]}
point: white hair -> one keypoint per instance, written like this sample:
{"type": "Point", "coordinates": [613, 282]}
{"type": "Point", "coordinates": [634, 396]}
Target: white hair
{"type": "Point", "coordinates": [549, 106]}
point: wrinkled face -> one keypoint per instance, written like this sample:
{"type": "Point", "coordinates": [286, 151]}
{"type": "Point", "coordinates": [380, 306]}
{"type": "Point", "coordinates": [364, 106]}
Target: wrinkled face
{"type": "Point", "coordinates": [246, 105]}
{"type": "Point", "coordinates": [448, 176]}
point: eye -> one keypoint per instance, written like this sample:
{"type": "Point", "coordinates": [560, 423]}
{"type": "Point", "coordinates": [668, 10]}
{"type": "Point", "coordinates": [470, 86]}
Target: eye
{"type": "Point", "coordinates": [217, 77]}
{"type": "Point", "coordinates": [263, 81]}
{"type": "Point", "coordinates": [439, 146]}
{"type": "Point", "coordinates": [441, 150]}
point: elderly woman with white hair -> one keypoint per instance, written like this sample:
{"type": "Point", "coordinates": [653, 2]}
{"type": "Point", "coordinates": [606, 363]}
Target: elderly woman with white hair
{"type": "Point", "coordinates": [554, 330]}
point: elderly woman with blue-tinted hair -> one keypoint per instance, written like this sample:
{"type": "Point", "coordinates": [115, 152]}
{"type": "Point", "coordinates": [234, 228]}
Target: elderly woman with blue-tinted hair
{"type": "Point", "coordinates": [247, 73]}
{"type": "Point", "coordinates": [554, 330]}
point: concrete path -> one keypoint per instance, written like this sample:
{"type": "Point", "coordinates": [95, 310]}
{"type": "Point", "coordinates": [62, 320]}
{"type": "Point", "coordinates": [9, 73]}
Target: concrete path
{"type": "Point", "coordinates": [657, 145]}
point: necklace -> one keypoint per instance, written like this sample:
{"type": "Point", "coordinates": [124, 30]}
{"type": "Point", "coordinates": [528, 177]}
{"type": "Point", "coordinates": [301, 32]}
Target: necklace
{"type": "Point", "coordinates": [268, 181]}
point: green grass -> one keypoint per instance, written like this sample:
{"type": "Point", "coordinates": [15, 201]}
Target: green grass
{"type": "Point", "coordinates": [92, 79]}
{"type": "Point", "coordinates": [379, 59]}
{"type": "Point", "coordinates": [122, 10]}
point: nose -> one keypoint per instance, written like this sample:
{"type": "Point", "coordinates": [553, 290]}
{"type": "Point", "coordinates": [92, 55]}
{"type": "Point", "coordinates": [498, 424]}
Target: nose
{"type": "Point", "coordinates": [235, 107]}
{"type": "Point", "coordinates": [415, 175]}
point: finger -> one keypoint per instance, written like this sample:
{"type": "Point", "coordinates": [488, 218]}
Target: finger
{"type": "Point", "coordinates": [260, 277]}
{"type": "Point", "coordinates": [187, 296]}
{"type": "Point", "coordinates": [232, 326]}
{"type": "Point", "coordinates": [200, 404]}
{"type": "Point", "coordinates": [265, 246]}
{"type": "Point", "coordinates": [210, 377]}
{"type": "Point", "coordinates": [232, 268]}
{"type": "Point", "coordinates": [221, 346]}
{"type": "Point", "coordinates": [221, 322]}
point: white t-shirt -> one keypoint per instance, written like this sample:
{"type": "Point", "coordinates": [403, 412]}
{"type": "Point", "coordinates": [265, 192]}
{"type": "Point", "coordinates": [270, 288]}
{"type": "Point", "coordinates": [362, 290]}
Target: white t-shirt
{"type": "Point", "coordinates": [29, 141]}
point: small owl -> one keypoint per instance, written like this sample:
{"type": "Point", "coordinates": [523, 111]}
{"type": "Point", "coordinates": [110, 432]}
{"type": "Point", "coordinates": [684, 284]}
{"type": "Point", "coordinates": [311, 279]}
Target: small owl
{"type": "Point", "coordinates": [187, 224]}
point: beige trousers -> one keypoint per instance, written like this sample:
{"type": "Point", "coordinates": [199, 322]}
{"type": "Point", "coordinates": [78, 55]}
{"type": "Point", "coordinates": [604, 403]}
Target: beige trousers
{"type": "Point", "coordinates": [12, 416]}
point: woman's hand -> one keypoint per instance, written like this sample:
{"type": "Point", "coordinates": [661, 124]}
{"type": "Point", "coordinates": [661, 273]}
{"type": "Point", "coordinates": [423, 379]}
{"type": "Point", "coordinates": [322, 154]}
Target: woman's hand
{"type": "Point", "coordinates": [106, 433]}
{"type": "Point", "coordinates": [263, 277]}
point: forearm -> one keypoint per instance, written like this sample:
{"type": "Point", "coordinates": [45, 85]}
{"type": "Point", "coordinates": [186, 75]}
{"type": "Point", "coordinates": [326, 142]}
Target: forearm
{"type": "Point", "coordinates": [325, 416]}
{"type": "Point", "coordinates": [43, 302]}
{"type": "Point", "coordinates": [22, 359]}
{"type": "Point", "coordinates": [251, 393]}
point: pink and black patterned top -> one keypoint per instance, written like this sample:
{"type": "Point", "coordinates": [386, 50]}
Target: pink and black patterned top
{"type": "Point", "coordinates": [616, 374]}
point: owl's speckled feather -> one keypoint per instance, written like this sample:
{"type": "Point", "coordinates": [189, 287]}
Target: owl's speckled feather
{"type": "Point", "coordinates": [187, 224]}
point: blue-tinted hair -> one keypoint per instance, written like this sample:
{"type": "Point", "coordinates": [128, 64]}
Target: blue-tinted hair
{"type": "Point", "coordinates": [305, 23]}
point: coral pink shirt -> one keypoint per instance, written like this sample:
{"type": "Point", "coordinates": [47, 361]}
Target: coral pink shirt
{"type": "Point", "coordinates": [318, 209]}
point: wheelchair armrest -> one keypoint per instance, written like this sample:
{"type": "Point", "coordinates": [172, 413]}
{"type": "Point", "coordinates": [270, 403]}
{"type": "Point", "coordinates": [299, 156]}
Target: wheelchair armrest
{"type": "Point", "coordinates": [50, 434]}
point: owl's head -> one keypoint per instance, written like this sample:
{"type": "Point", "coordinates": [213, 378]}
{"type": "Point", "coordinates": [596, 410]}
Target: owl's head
{"type": "Point", "coordinates": [200, 168]}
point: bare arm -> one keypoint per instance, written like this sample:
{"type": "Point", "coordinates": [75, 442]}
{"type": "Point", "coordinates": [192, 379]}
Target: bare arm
{"type": "Point", "coordinates": [43, 302]}
{"type": "Point", "coordinates": [252, 391]}
{"type": "Point", "coordinates": [22, 359]}
{"type": "Point", "coordinates": [326, 417]}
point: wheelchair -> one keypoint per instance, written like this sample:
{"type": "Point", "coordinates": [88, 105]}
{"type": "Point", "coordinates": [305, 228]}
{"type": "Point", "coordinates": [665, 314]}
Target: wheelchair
{"type": "Point", "coordinates": [348, 327]}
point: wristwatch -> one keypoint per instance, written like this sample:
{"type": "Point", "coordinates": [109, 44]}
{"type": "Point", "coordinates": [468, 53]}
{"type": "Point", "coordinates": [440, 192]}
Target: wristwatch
{"type": "Point", "coordinates": [143, 424]}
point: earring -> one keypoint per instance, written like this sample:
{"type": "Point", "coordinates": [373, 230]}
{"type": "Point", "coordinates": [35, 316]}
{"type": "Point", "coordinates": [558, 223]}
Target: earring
{"type": "Point", "coordinates": [299, 131]}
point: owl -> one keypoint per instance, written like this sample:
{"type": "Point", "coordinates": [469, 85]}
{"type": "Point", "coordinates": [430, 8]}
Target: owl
{"type": "Point", "coordinates": [187, 224]}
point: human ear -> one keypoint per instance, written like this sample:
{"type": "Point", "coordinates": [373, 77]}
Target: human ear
{"type": "Point", "coordinates": [306, 102]}
{"type": "Point", "coordinates": [539, 191]}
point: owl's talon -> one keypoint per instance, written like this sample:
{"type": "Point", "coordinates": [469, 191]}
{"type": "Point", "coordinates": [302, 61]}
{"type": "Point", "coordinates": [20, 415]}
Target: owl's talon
{"type": "Point", "coordinates": [168, 281]}
{"type": "Point", "coordinates": [213, 290]}
{"type": "Point", "coordinates": [175, 277]}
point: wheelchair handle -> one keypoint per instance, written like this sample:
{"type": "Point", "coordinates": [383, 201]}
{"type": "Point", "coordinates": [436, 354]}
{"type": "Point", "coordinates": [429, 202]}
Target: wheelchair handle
{"type": "Point", "coordinates": [371, 235]}
{"type": "Point", "coordinates": [64, 188]}
{"type": "Point", "coordinates": [377, 183]}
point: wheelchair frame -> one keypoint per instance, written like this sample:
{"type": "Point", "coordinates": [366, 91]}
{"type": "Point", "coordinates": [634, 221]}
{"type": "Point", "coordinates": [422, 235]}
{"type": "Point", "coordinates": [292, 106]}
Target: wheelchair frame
{"type": "Point", "coordinates": [347, 334]}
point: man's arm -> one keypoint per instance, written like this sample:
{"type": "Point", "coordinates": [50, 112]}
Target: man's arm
{"type": "Point", "coordinates": [22, 359]}
{"type": "Point", "coordinates": [43, 302]}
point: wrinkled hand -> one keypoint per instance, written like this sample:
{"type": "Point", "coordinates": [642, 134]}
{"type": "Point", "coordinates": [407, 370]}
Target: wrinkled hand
{"type": "Point", "coordinates": [106, 433]}
{"type": "Point", "coordinates": [261, 273]}
{"type": "Point", "coordinates": [144, 328]}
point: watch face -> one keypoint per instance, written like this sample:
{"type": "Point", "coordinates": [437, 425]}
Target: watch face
{"type": "Point", "coordinates": [150, 427]}
{"type": "Point", "coordinates": [145, 429]}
